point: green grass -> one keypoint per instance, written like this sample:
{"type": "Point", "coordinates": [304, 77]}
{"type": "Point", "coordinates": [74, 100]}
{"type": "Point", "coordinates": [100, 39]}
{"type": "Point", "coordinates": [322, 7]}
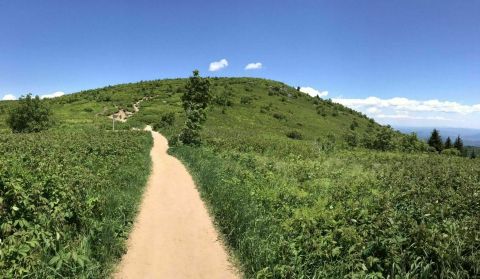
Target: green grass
{"type": "Point", "coordinates": [68, 200]}
{"type": "Point", "coordinates": [312, 207]}
{"type": "Point", "coordinates": [351, 214]}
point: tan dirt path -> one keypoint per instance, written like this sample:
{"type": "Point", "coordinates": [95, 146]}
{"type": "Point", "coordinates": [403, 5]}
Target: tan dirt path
{"type": "Point", "coordinates": [173, 236]}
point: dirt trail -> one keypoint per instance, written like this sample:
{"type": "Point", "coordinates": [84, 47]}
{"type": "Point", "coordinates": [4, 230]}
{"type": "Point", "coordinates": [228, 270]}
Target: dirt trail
{"type": "Point", "coordinates": [173, 236]}
{"type": "Point", "coordinates": [123, 115]}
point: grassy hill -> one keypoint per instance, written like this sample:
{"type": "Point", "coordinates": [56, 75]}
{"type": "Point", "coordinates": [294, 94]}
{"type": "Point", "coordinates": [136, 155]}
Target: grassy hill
{"type": "Point", "coordinates": [344, 197]}
{"type": "Point", "coordinates": [239, 102]}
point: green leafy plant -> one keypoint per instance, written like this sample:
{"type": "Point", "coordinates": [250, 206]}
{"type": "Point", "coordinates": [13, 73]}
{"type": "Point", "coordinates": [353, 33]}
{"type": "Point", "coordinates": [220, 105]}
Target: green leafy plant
{"type": "Point", "coordinates": [195, 100]}
{"type": "Point", "coordinates": [30, 115]}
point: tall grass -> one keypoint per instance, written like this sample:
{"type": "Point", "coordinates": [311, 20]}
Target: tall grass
{"type": "Point", "coordinates": [356, 214]}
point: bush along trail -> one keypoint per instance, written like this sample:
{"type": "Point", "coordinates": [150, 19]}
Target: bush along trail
{"type": "Point", "coordinates": [68, 200]}
{"type": "Point", "coordinates": [173, 236]}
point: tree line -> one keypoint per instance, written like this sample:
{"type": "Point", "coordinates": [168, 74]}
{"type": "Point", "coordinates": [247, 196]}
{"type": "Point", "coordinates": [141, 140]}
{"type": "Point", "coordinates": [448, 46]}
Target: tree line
{"type": "Point", "coordinates": [456, 147]}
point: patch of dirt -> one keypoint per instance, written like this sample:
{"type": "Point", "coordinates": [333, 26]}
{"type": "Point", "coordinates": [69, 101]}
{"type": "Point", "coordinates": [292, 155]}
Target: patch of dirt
{"type": "Point", "coordinates": [122, 115]}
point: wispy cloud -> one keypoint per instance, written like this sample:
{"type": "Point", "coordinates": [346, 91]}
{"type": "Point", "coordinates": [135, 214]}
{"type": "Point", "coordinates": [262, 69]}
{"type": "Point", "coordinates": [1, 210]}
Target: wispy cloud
{"type": "Point", "coordinates": [411, 112]}
{"type": "Point", "coordinates": [374, 110]}
{"type": "Point", "coordinates": [411, 117]}
{"type": "Point", "coordinates": [405, 104]}
{"type": "Point", "coordinates": [253, 66]}
{"type": "Point", "coordinates": [313, 92]}
{"type": "Point", "coordinates": [52, 95]}
{"type": "Point", "coordinates": [218, 65]}
{"type": "Point", "coordinates": [9, 97]}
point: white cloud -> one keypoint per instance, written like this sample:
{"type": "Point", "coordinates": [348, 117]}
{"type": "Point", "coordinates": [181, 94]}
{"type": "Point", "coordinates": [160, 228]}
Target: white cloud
{"type": "Point", "coordinates": [53, 95]}
{"type": "Point", "coordinates": [374, 110]}
{"type": "Point", "coordinates": [411, 117]}
{"type": "Point", "coordinates": [313, 92]}
{"type": "Point", "coordinates": [405, 104]}
{"type": "Point", "coordinates": [253, 66]}
{"type": "Point", "coordinates": [218, 65]}
{"type": "Point", "coordinates": [410, 112]}
{"type": "Point", "coordinates": [9, 97]}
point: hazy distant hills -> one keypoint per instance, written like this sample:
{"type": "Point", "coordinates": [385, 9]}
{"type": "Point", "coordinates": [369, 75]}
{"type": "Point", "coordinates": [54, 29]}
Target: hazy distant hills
{"type": "Point", "coordinates": [470, 136]}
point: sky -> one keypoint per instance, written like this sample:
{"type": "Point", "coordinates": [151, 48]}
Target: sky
{"type": "Point", "coordinates": [404, 63]}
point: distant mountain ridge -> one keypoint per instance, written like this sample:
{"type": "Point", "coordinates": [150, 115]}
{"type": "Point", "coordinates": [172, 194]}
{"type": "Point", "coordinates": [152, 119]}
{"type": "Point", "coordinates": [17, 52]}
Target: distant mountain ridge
{"type": "Point", "coordinates": [471, 137]}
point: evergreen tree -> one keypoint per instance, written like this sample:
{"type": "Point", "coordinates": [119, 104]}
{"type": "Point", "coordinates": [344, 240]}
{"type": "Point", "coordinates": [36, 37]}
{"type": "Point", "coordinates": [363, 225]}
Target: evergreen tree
{"type": "Point", "coordinates": [459, 144]}
{"type": "Point", "coordinates": [435, 140]}
{"type": "Point", "coordinates": [448, 143]}
{"type": "Point", "coordinates": [473, 155]}
{"type": "Point", "coordinates": [195, 100]}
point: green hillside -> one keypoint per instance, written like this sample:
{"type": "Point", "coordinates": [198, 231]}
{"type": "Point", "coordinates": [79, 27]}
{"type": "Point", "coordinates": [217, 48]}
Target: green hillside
{"type": "Point", "coordinates": [249, 103]}
{"type": "Point", "coordinates": [301, 187]}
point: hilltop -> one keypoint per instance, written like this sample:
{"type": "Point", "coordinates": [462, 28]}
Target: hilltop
{"type": "Point", "coordinates": [241, 108]}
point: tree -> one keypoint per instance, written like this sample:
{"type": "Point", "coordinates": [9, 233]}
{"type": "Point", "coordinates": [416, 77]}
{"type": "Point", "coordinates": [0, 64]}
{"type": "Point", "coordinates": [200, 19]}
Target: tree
{"type": "Point", "coordinates": [448, 143]}
{"type": "Point", "coordinates": [351, 138]}
{"type": "Point", "coordinates": [458, 144]}
{"type": "Point", "coordinates": [30, 115]}
{"type": "Point", "coordinates": [354, 124]}
{"type": "Point", "coordinates": [384, 139]}
{"type": "Point", "coordinates": [473, 155]}
{"type": "Point", "coordinates": [167, 119]}
{"type": "Point", "coordinates": [195, 100]}
{"type": "Point", "coordinates": [410, 143]}
{"type": "Point", "coordinates": [435, 140]}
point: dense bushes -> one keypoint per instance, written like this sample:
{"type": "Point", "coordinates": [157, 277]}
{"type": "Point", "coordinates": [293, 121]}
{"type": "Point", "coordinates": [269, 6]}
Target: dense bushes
{"type": "Point", "coordinates": [385, 139]}
{"type": "Point", "coordinates": [30, 115]}
{"type": "Point", "coordinates": [167, 119]}
{"type": "Point", "coordinates": [67, 201]}
{"type": "Point", "coordinates": [352, 215]}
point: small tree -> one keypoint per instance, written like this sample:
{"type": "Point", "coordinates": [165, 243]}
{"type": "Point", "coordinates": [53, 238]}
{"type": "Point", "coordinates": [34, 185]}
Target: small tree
{"type": "Point", "coordinates": [448, 143]}
{"type": "Point", "coordinates": [351, 138]}
{"type": "Point", "coordinates": [473, 155]}
{"type": "Point", "coordinates": [410, 142]}
{"type": "Point", "coordinates": [384, 139]}
{"type": "Point", "coordinates": [458, 144]}
{"type": "Point", "coordinates": [167, 119]}
{"type": "Point", "coordinates": [195, 100]}
{"type": "Point", "coordinates": [30, 115]}
{"type": "Point", "coordinates": [354, 124]}
{"type": "Point", "coordinates": [435, 140]}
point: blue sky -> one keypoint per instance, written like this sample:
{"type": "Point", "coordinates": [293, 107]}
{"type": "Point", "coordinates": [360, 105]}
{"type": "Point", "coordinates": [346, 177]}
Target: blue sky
{"type": "Point", "coordinates": [402, 62]}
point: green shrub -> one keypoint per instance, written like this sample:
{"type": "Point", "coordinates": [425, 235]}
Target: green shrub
{"type": "Point", "coordinates": [245, 100]}
{"type": "Point", "coordinates": [30, 115]}
{"type": "Point", "coordinates": [224, 99]}
{"type": "Point", "coordinates": [295, 135]}
{"type": "Point", "coordinates": [451, 152]}
{"type": "Point", "coordinates": [167, 119]}
{"type": "Point", "coordinates": [352, 139]}
{"type": "Point", "coordinates": [279, 116]}
{"type": "Point", "coordinates": [67, 201]}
